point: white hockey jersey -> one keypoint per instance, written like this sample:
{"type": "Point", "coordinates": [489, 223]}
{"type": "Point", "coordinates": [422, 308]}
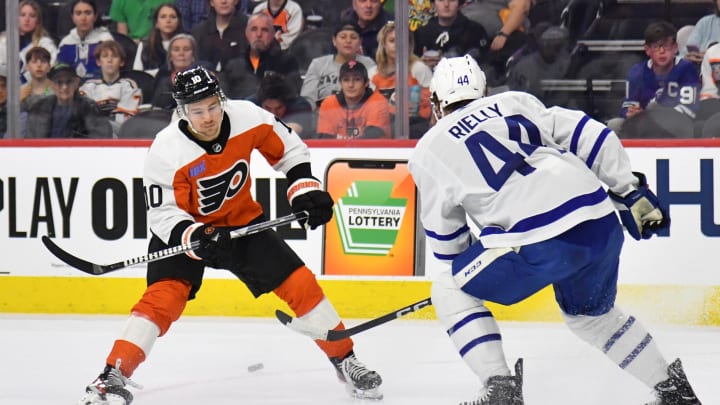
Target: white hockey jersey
{"type": "Point", "coordinates": [521, 172]}
{"type": "Point", "coordinates": [120, 99]}
{"type": "Point", "coordinates": [184, 182]}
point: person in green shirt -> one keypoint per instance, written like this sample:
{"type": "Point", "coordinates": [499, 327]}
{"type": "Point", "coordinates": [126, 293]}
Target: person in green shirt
{"type": "Point", "coordinates": [134, 17]}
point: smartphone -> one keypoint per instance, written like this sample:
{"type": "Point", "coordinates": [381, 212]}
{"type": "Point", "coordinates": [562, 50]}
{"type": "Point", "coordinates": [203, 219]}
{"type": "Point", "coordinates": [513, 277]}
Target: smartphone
{"type": "Point", "coordinates": [692, 48]}
{"type": "Point", "coordinates": [375, 222]}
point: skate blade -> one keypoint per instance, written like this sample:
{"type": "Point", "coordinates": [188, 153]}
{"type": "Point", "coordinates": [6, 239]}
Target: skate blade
{"type": "Point", "coordinates": [373, 394]}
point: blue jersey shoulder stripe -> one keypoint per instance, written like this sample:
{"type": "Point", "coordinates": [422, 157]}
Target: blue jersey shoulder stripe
{"type": "Point", "coordinates": [451, 236]}
{"type": "Point", "coordinates": [596, 147]}
{"type": "Point", "coordinates": [576, 134]}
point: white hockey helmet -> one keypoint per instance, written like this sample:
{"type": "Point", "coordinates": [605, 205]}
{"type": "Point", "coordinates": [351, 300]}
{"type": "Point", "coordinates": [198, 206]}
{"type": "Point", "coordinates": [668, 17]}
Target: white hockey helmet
{"type": "Point", "coordinates": [456, 79]}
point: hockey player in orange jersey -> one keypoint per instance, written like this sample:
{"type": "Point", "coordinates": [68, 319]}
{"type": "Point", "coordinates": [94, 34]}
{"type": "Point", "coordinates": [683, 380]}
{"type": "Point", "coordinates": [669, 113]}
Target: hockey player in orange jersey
{"type": "Point", "coordinates": [198, 183]}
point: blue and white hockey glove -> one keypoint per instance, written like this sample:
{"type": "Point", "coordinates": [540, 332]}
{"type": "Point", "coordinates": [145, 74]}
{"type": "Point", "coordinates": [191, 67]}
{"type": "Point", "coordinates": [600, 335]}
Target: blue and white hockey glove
{"type": "Point", "coordinates": [640, 211]}
{"type": "Point", "coordinates": [305, 194]}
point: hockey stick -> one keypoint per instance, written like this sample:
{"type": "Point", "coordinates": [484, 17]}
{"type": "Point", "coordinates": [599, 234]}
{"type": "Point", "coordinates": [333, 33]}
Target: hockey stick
{"type": "Point", "coordinates": [305, 328]}
{"type": "Point", "coordinates": [98, 269]}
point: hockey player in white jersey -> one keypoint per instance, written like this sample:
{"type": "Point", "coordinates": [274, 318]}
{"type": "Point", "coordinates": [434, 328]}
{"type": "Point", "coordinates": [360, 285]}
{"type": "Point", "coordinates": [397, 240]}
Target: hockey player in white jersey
{"type": "Point", "coordinates": [533, 181]}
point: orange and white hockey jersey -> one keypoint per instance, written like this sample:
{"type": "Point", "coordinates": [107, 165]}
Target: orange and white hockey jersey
{"type": "Point", "coordinates": [210, 182]}
{"type": "Point", "coordinates": [288, 21]}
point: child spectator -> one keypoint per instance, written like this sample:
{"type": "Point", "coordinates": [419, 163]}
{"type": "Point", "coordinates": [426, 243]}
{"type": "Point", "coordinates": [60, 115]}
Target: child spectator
{"type": "Point", "coordinates": [356, 112]}
{"type": "Point", "coordinates": [132, 16]}
{"type": "Point", "coordinates": [67, 113]}
{"type": "Point", "coordinates": [321, 78]}
{"type": "Point", "coordinates": [287, 19]}
{"type": "Point", "coordinates": [662, 94]}
{"type": "Point", "coordinates": [419, 75]}
{"type": "Point", "coordinates": [77, 48]}
{"type": "Point", "coordinates": [117, 98]}
{"type": "Point", "coordinates": [277, 95]}
{"type": "Point", "coordinates": [32, 33]}
{"type": "Point", "coordinates": [151, 54]}
{"type": "Point", "coordinates": [37, 60]}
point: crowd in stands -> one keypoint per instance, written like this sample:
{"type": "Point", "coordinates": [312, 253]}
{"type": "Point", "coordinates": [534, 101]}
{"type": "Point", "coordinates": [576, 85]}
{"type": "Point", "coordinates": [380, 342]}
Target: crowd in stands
{"type": "Point", "coordinates": [328, 68]}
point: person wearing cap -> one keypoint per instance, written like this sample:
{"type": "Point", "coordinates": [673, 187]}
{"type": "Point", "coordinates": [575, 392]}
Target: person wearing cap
{"type": "Point", "coordinates": [321, 78]}
{"type": "Point", "coordinates": [65, 114]}
{"type": "Point", "coordinates": [370, 16]}
{"type": "Point", "coordinates": [356, 111]}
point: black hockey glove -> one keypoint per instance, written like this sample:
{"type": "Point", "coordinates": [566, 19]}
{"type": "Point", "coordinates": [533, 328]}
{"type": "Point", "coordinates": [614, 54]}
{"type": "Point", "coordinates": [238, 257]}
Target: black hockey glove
{"type": "Point", "coordinates": [215, 246]}
{"type": "Point", "coordinates": [640, 211]}
{"type": "Point", "coordinates": [305, 195]}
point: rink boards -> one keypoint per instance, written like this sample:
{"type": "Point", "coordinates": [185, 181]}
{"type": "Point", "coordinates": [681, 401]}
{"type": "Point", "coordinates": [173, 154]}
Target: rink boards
{"type": "Point", "coordinates": [89, 196]}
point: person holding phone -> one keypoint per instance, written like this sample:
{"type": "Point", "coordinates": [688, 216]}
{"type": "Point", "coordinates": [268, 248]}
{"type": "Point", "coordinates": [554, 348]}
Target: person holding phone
{"type": "Point", "coordinates": [198, 188]}
{"type": "Point", "coordinates": [532, 179]}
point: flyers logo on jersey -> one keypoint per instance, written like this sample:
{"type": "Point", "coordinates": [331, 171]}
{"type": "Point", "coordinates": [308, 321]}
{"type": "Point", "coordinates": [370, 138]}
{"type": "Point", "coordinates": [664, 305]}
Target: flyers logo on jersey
{"type": "Point", "coordinates": [213, 191]}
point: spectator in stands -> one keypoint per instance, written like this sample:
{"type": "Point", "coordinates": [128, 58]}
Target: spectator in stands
{"type": "Point", "coordinates": [78, 47]}
{"type": "Point", "coordinates": [662, 94]}
{"type": "Point", "coordinates": [707, 120]}
{"type": "Point", "coordinates": [133, 17]}
{"type": "Point", "coordinates": [222, 36]}
{"type": "Point", "coordinates": [383, 77]}
{"type": "Point", "coordinates": [356, 112]}
{"type": "Point", "coordinates": [241, 76]}
{"type": "Point", "coordinates": [703, 35]}
{"type": "Point", "coordinates": [37, 60]}
{"type": "Point", "coordinates": [287, 18]}
{"type": "Point", "coordinates": [67, 113]}
{"type": "Point", "coordinates": [370, 16]}
{"type": "Point", "coordinates": [450, 34]}
{"type": "Point", "coordinates": [151, 54]}
{"type": "Point", "coordinates": [182, 54]}
{"type": "Point", "coordinates": [507, 23]}
{"type": "Point", "coordinates": [321, 78]}
{"type": "Point", "coordinates": [32, 33]}
{"type": "Point", "coordinates": [279, 97]}
{"type": "Point", "coordinates": [194, 12]}
{"type": "Point", "coordinates": [3, 102]}
{"type": "Point", "coordinates": [118, 98]}
{"type": "Point", "coordinates": [551, 60]}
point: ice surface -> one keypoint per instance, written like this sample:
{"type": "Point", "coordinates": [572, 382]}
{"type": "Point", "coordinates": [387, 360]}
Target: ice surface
{"type": "Point", "coordinates": [48, 360]}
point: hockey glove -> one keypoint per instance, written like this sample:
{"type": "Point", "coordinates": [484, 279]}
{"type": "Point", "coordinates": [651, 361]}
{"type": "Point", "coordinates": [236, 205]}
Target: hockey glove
{"type": "Point", "coordinates": [640, 211]}
{"type": "Point", "coordinates": [215, 244]}
{"type": "Point", "coordinates": [305, 195]}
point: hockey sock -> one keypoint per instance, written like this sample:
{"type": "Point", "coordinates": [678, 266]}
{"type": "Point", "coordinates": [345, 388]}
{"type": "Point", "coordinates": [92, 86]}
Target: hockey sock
{"type": "Point", "coordinates": [625, 341]}
{"type": "Point", "coordinates": [163, 302]}
{"type": "Point", "coordinates": [471, 327]}
{"type": "Point", "coordinates": [305, 297]}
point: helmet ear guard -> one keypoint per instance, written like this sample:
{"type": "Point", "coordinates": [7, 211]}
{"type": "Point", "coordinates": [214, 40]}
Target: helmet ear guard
{"type": "Point", "coordinates": [454, 80]}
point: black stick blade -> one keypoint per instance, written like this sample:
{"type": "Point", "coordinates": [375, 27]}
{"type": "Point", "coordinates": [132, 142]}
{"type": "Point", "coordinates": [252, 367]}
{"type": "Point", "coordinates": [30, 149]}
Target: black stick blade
{"type": "Point", "coordinates": [74, 261]}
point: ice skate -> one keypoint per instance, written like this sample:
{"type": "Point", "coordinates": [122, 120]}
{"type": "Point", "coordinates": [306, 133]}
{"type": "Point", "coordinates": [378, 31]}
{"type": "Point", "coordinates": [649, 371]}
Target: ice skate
{"type": "Point", "coordinates": [502, 389]}
{"type": "Point", "coordinates": [359, 381]}
{"type": "Point", "coordinates": [109, 389]}
{"type": "Point", "coordinates": [676, 390]}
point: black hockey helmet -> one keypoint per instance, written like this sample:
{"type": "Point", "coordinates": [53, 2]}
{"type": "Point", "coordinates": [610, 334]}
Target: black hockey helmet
{"type": "Point", "coordinates": [194, 84]}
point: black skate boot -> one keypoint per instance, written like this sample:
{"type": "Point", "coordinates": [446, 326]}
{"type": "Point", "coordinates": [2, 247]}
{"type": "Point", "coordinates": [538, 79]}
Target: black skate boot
{"type": "Point", "coordinates": [676, 390]}
{"type": "Point", "coordinates": [502, 389]}
{"type": "Point", "coordinates": [360, 382]}
{"type": "Point", "coordinates": [109, 388]}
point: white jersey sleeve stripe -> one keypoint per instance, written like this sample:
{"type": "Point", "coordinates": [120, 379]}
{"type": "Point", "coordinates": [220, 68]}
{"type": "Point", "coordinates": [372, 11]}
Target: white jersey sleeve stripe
{"type": "Point", "coordinates": [552, 216]}
{"type": "Point", "coordinates": [576, 134]}
{"type": "Point", "coordinates": [596, 147]}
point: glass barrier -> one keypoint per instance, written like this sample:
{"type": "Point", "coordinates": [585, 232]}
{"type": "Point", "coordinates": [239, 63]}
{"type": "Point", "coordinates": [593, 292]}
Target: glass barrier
{"type": "Point", "coordinates": [330, 68]}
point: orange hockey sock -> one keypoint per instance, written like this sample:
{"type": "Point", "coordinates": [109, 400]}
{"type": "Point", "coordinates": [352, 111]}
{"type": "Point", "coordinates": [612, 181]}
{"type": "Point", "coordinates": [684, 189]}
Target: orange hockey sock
{"type": "Point", "coordinates": [305, 297]}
